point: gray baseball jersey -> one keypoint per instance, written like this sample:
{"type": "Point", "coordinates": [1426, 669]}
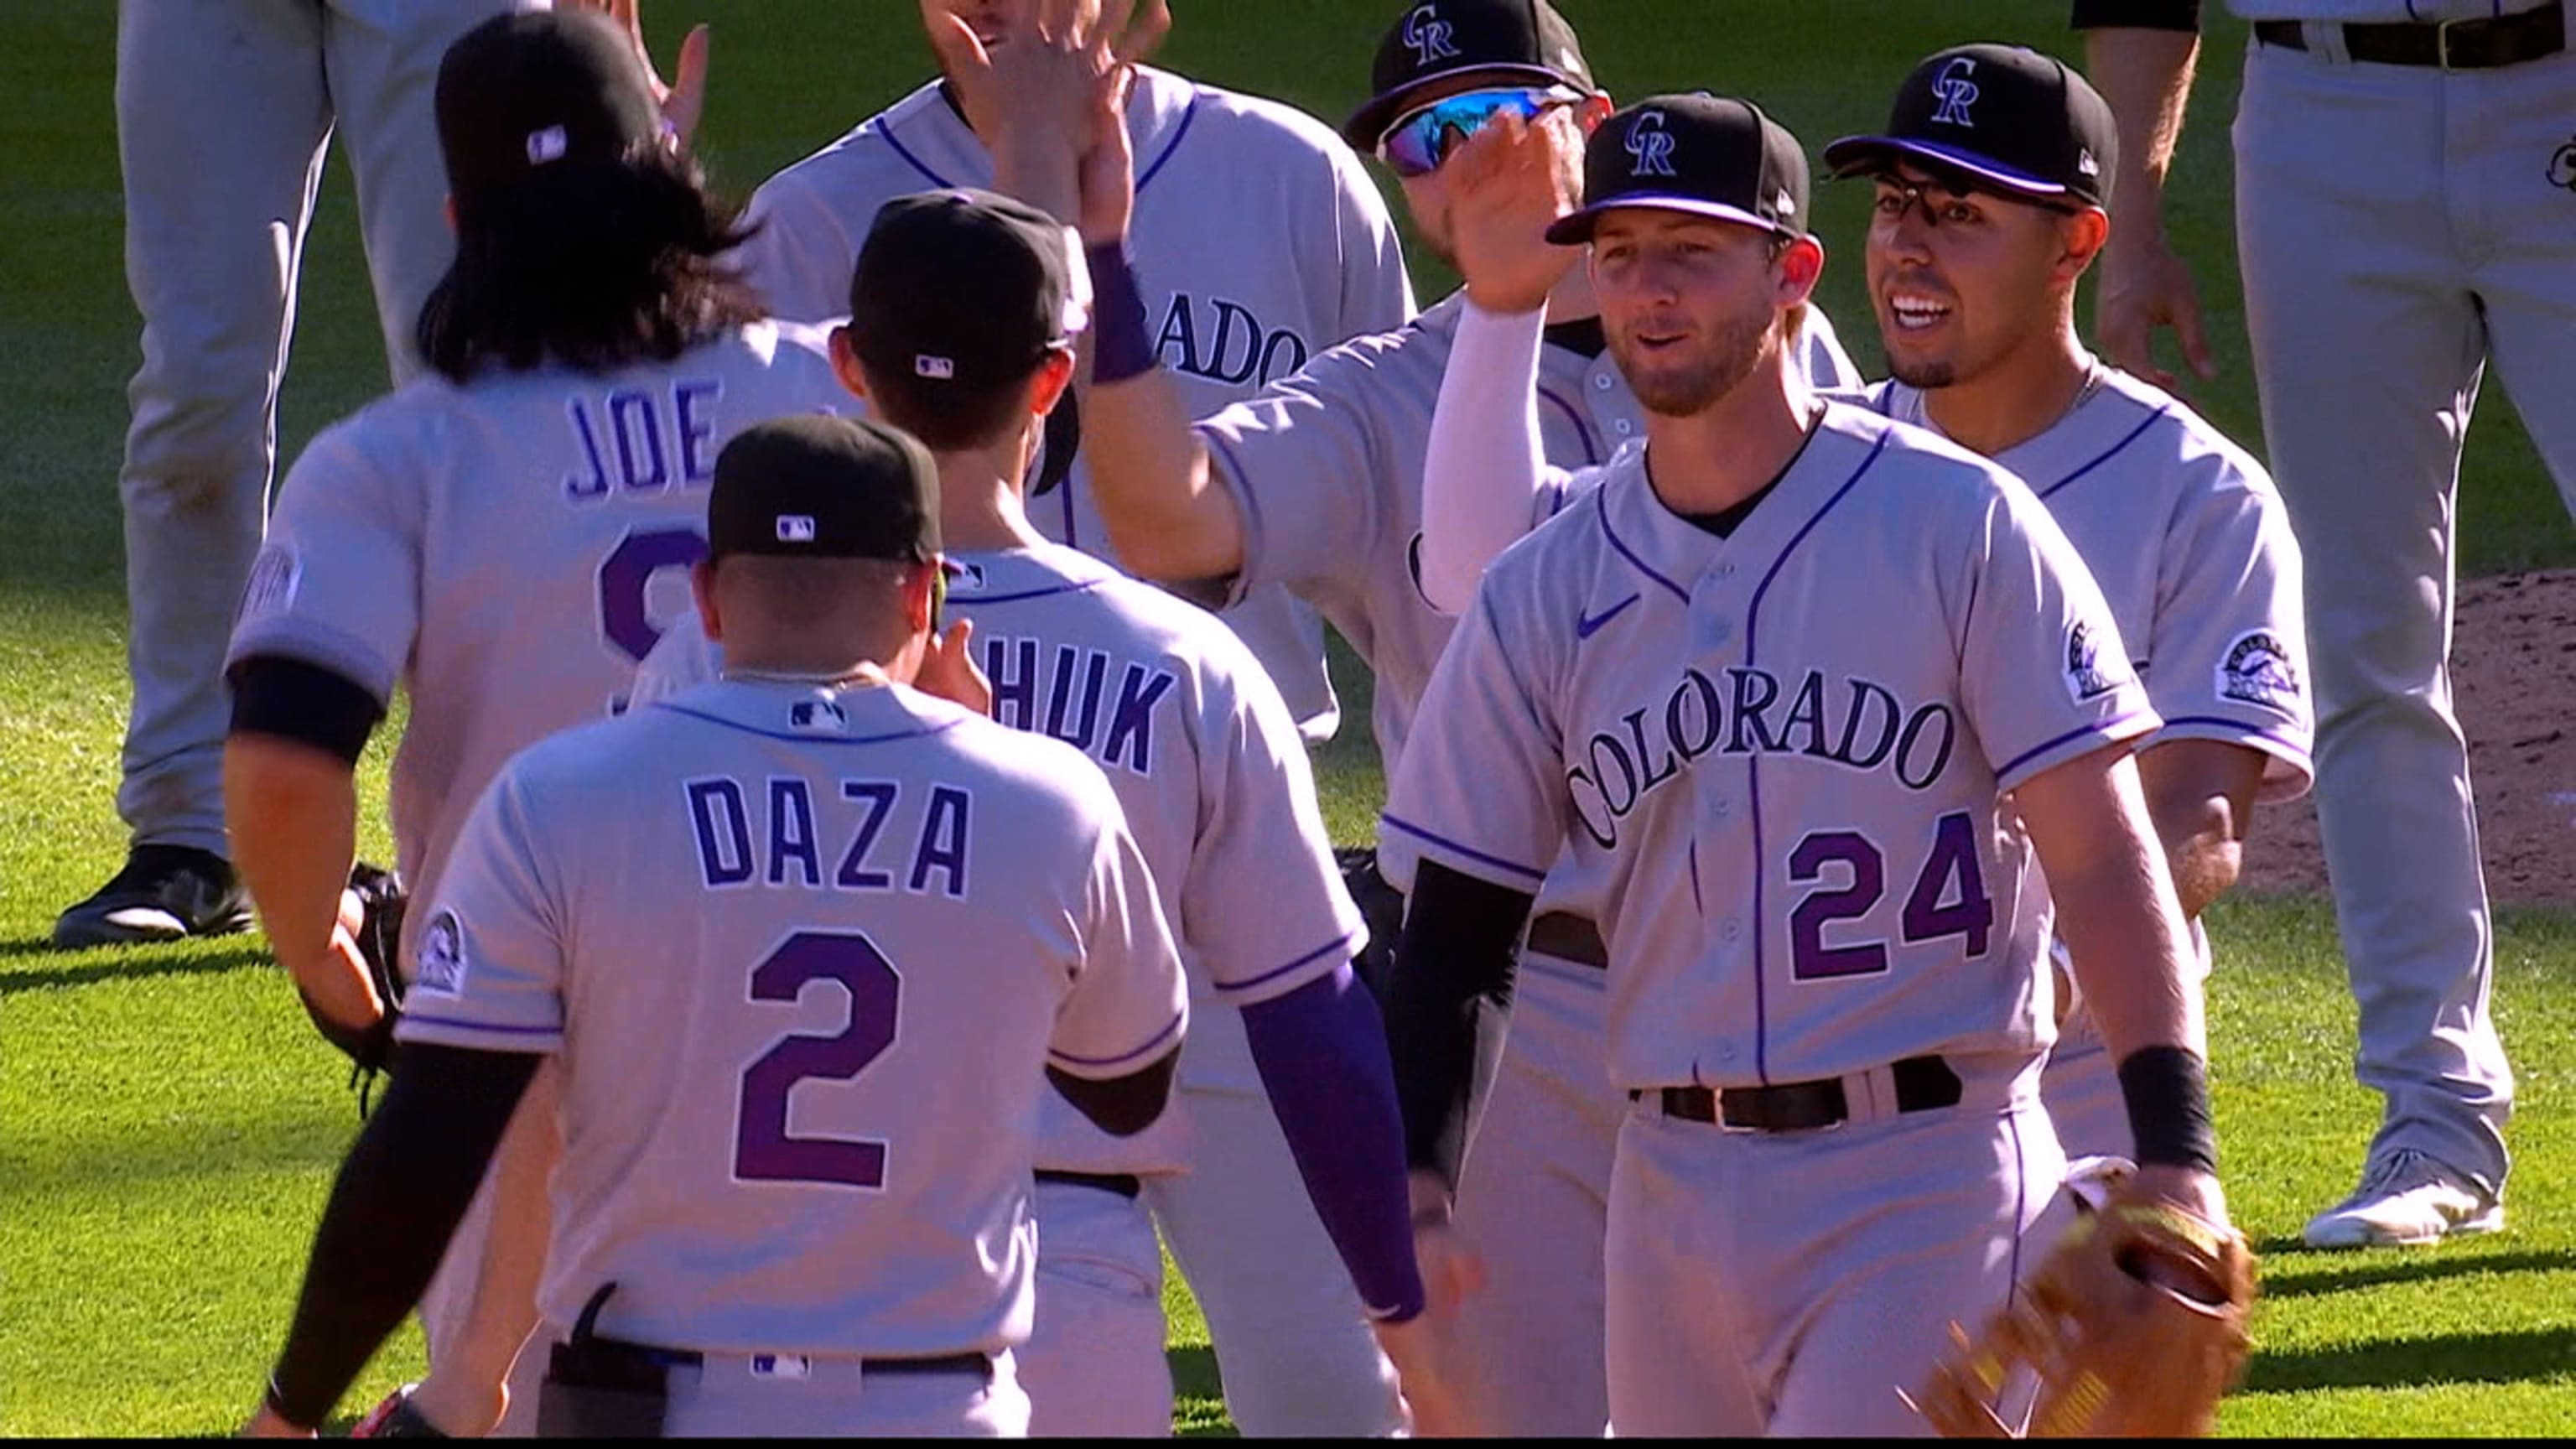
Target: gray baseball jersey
{"type": "Point", "coordinates": [1326, 471]}
{"type": "Point", "coordinates": [1836, 884]}
{"type": "Point", "coordinates": [1204, 759]}
{"type": "Point", "coordinates": [1258, 241]}
{"type": "Point", "coordinates": [805, 951]}
{"type": "Point", "coordinates": [507, 550]}
{"type": "Point", "coordinates": [2192, 548]}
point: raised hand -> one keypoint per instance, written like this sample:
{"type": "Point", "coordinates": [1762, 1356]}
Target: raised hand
{"type": "Point", "coordinates": [683, 103]}
{"type": "Point", "coordinates": [1508, 184]}
{"type": "Point", "coordinates": [948, 670]}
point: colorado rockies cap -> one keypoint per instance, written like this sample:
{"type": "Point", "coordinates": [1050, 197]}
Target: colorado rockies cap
{"type": "Point", "coordinates": [1443, 40]}
{"type": "Point", "coordinates": [529, 89]}
{"type": "Point", "coordinates": [967, 287]}
{"type": "Point", "coordinates": [2012, 120]}
{"type": "Point", "coordinates": [818, 486]}
{"type": "Point", "coordinates": [1706, 155]}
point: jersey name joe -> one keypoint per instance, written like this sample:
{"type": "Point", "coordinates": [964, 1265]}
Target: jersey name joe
{"type": "Point", "coordinates": [1777, 760]}
{"type": "Point", "coordinates": [509, 549]}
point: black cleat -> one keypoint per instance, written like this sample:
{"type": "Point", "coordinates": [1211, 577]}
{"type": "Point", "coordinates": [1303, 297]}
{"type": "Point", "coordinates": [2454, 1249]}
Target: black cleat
{"type": "Point", "coordinates": [165, 893]}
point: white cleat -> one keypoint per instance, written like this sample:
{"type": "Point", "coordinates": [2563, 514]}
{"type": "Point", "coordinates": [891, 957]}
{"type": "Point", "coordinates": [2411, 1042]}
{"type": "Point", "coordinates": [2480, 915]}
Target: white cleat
{"type": "Point", "coordinates": [2405, 1200]}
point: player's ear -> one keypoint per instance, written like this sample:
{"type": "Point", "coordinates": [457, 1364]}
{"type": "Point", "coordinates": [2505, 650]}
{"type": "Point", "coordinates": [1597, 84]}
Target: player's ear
{"type": "Point", "coordinates": [1053, 376]}
{"type": "Point", "coordinates": [449, 207]}
{"type": "Point", "coordinates": [920, 602]}
{"type": "Point", "coordinates": [702, 591]}
{"type": "Point", "coordinates": [1592, 110]}
{"type": "Point", "coordinates": [1796, 271]}
{"type": "Point", "coordinates": [845, 363]}
{"type": "Point", "coordinates": [2080, 238]}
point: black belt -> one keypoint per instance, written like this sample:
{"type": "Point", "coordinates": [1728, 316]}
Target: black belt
{"type": "Point", "coordinates": [1922, 1084]}
{"type": "Point", "coordinates": [1124, 1184]}
{"type": "Point", "coordinates": [1569, 937]}
{"type": "Point", "coordinates": [648, 1355]}
{"type": "Point", "coordinates": [617, 1359]}
{"type": "Point", "coordinates": [2478, 43]}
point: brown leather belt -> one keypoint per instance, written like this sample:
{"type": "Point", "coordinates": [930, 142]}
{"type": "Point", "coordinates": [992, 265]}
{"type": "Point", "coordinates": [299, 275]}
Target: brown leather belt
{"type": "Point", "coordinates": [1569, 937]}
{"type": "Point", "coordinates": [2476, 43]}
{"type": "Point", "coordinates": [1922, 1084]}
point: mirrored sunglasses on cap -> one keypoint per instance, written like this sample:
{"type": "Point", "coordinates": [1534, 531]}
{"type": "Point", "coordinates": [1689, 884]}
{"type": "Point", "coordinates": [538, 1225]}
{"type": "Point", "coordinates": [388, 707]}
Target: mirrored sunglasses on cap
{"type": "Point", "coordinates": [1417, 144]}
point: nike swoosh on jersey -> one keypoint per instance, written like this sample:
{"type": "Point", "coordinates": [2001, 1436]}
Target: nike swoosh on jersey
{"type": "Point", "coordinates": [1590, 624]}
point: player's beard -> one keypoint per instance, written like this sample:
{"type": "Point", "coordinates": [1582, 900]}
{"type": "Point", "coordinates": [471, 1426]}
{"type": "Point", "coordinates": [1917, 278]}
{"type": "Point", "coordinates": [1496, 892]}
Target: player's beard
{"type": "Point", "coordinates": [1923, 376]}
{"type": "Point", "coordinates": [1690, 387]}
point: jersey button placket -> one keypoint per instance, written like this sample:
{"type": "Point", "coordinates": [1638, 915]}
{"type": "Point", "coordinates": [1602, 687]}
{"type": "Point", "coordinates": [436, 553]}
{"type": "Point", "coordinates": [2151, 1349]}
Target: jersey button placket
{"type": "Point", "coordinates": [1716, 612]}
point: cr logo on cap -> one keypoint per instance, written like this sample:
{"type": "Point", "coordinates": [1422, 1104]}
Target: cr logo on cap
{"type": "Point", "coordinates": [1651, 146]}
{"type": "Point", "coordinates": [1956, 91]}
{"type": "Point", "coordinates": [1429, 35]}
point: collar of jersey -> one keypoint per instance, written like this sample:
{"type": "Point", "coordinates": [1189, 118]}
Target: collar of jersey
{"type": "Point", "coordinates": [877, 713]}
{"type": "Point", "coordinates": [923, 130]}
{"type": "Point", "coordinates": [1672, 551]}
{"type": "Point", "coordinates": [1014, 574]}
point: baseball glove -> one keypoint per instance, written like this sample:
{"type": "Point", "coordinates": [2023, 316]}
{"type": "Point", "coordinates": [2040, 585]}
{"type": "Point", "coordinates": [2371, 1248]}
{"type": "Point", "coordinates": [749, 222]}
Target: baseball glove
{"type": "Point", "coordinates": [370, 1049]}
{"type": "Point", "coordinates": [2134, 1326]}
{"type": "Point", "coordinates": [397, 1418]}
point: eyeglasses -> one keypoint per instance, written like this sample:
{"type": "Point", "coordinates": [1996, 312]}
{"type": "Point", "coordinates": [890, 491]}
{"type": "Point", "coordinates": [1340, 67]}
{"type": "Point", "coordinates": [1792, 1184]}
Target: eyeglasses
{"type": "Point", "coordinates": [1417, 144]}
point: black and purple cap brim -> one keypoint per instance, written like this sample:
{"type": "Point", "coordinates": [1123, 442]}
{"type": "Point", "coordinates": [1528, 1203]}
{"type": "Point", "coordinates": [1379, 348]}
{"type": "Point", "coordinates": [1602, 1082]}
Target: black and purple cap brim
{"type": "Point", "coordinates": [1575, 228]}
{"type": "Point", "coordinates": [1871, 155]}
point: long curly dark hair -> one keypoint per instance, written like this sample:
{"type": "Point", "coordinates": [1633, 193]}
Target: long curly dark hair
{"type": "Point", "coordinates": [590, 264]}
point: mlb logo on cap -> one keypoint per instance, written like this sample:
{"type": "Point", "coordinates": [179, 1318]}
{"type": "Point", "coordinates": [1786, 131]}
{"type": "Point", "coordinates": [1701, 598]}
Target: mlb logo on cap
{"type": "Point", "coordinates": [795, 528]}
{"type": "Point", "coordinates": [941, 368]}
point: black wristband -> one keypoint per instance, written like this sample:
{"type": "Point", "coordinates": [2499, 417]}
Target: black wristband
{"type": "Point", "coordinates": [307, 703]}
{"type": "Point", "coordinates": [2167, 1092]}
{"type": "Point", "coordinates": [1121, 347]}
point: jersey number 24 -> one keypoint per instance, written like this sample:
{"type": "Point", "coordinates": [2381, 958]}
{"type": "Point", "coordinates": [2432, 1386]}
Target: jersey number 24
{"type": "Point", "coordinates": [1948, 899]}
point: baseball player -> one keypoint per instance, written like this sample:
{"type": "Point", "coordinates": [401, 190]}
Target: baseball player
{"type": "Point", "coordinates": [1222, 801]}
{"type": "Point", "coordinates": [788, 1204]}
{"type": "Point", "coordinates": [1992, 178]}
{"type": "Point", "coordinates": [1315, 483]}
{"type": "Point", "coordinates": [214, 240]}
{"type": "Point", "coordinates": [1803, 694]}
{"type": "Point", "coordinates": [2405, 212]}
{"type": "Point", "coordinates": [502, 536]}
{"type": "Point", "coordinates": [1259, 236]}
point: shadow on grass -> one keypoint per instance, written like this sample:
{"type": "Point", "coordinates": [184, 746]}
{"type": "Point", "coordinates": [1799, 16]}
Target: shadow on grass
{"type": "Point", "coordinates": [2450, 1358]}
{"type": "Point", "coordinates": [124, 965]}
{"type": "Point", "coordinates": [2414, 1268]}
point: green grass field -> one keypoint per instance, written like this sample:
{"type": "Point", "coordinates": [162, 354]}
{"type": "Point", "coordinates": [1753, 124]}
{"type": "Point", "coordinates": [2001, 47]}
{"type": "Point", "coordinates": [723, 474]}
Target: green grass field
{"type": "Point", "coordinates": [168, 1124]}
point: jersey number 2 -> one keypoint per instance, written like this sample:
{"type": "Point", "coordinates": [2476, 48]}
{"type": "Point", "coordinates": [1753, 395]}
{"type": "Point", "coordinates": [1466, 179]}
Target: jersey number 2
{"type": "Point", "coordinates": [1950, 873]}
{"type": "Point", "coordinates": [763, 1149]}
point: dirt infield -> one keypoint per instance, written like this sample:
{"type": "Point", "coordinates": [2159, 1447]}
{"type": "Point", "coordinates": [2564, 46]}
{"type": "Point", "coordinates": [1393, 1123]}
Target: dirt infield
{"type": "Point", "coordinates": [2513, 666]}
